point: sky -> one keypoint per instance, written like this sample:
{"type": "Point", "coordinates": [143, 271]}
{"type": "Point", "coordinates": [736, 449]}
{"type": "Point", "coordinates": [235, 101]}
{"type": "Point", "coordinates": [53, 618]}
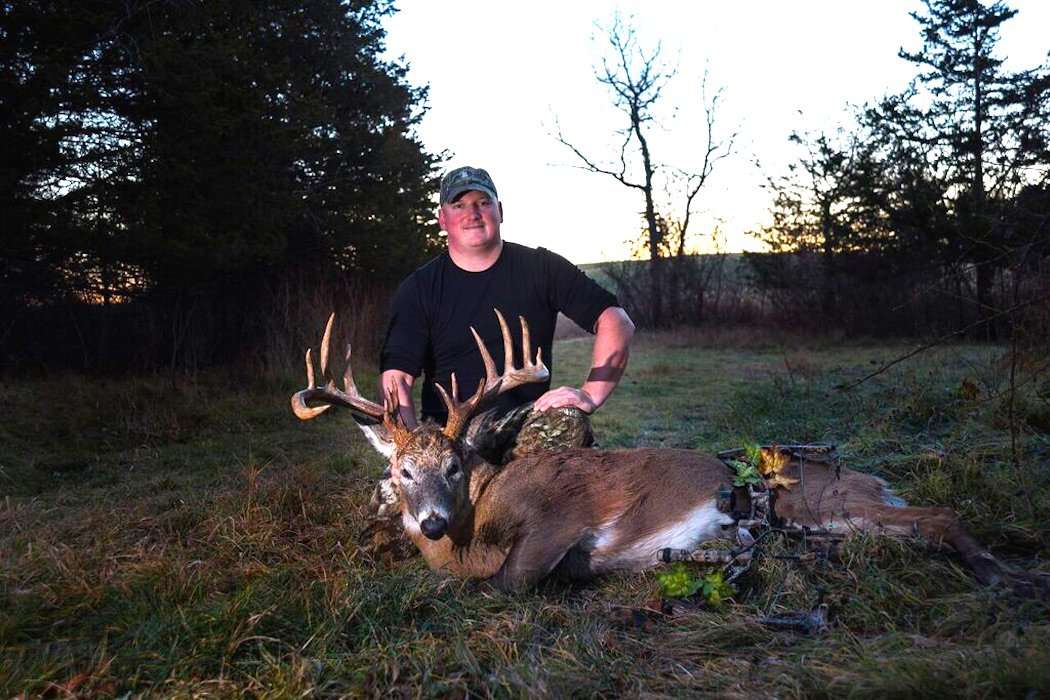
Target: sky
{"type": "Point", "coordinates": [503, 75]}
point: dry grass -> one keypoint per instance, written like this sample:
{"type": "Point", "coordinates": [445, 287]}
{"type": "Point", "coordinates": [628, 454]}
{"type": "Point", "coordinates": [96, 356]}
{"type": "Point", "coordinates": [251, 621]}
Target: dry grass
{"type": "Point", "coordinates": [196, 540]}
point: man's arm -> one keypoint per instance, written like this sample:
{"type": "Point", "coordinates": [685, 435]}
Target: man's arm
{"type": "Point", "coordinates": [401, 359]}
{"type": "Point", "coordinates": [612, 345]}
{"type": "Point", "coordinates": [402, 383]}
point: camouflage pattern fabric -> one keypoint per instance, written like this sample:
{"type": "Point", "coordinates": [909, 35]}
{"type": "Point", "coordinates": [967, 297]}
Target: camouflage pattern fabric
{"type": "Point", "coordinates": [456, 182]}
{"type": "Point", "coordinates": [523, 432]}
{"type": "Point", "coordinates": [556, 429]}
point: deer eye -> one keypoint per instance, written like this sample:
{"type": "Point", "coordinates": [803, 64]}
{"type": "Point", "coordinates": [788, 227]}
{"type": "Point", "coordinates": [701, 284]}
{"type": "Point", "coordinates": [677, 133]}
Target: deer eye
{"type": "Point", "coordinates": [452, 470]}
{"type": "Point", "coordinates": [405, 474]}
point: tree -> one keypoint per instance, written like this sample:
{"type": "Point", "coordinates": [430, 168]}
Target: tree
{"type": "Point", "coordinates": [926, 182]}
{"type": "Point", "coordinates": [178, 152]}
{"type": "Point", "coordinates": [60, 137]}
{"type": "Point", "coordinates": [636, 79]}
{"type": "Point", "coordinates": [980, 131]}
{"type": "Point", "coordinates": [813, 204]}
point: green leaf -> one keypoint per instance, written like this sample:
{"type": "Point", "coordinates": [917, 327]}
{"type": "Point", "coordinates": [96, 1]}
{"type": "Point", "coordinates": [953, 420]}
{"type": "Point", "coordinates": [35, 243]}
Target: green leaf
{"type": "Point", "coordinates": [678, 581]}
{"type": "Point", "coordinates": [753, 454]}
{"type": "Point", "coordinates": [745, 473]}
{"type": "Point", "coordinates": [715, 589]}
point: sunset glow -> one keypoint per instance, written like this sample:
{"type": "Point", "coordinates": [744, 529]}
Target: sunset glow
{"type": "Point", "coordinates": [501, 74]}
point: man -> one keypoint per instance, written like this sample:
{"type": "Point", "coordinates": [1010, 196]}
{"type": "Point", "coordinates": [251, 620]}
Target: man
{"type": "Point", "coordinates": [438, 303]}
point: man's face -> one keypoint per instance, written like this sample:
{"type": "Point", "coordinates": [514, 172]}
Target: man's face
{"type": "Point", "coordinates": [472, 220]}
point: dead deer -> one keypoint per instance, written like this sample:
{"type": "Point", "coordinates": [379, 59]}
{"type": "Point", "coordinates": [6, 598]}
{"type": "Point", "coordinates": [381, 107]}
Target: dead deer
{"type": "Point", "coordinates": [583, 512]}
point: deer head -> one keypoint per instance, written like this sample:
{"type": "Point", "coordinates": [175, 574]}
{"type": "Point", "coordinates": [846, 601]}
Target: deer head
{"type": "Point", "coordinates": [431, 465]}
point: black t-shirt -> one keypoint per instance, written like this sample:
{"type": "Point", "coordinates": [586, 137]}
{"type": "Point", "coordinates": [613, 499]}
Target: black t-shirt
{"type": "Point", "coordinates": [436, 305]}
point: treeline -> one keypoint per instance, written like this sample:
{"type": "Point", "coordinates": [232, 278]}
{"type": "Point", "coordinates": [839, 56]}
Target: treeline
{"type": "Point", "coordinates": [934, 202]}
{"type": "Point", "coordinates": [185, 184]}
{"type": "Point", "coordinates": [179, 176]}
{"type": "Point", "coordinates": [929, 212]}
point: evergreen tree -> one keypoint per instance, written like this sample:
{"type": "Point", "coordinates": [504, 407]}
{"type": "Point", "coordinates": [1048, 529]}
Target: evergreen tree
{"type": "Point", "coordinates": [965, 123]}
{"type": "Point", "coordinates": [169, 150]}
{"type": "Point", "coordinates": [813, 204]}
{"type": "Point", "coordinates": [61, 140]}
{"type": "Point", "coordinates": [277, 136]}
{"type": "Point", "coordinates": [926, 185]}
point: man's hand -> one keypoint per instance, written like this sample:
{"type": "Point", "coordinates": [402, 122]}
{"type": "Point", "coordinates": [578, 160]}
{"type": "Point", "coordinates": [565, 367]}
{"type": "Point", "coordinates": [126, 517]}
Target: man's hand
{"type": "Point", "coordinates": [612, 342]}
{"type": "Point", "coordinates": [400, 382]}
{"type": "Point", "coordinates": [566, 396]}
{"type": "Point", "coordinates": [613, 333]}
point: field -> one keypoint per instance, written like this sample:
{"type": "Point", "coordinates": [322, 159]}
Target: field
{"type": "Point", "coordinates": [190, 537]}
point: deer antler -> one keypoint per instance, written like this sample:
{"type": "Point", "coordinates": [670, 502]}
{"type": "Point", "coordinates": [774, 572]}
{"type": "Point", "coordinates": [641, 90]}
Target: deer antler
{"type": "Point", "coordinates": [492, 385]}
{"type": "Point", "coordinates": [392, 420]}
{"type": "Point", "coordinates": [328, 395]}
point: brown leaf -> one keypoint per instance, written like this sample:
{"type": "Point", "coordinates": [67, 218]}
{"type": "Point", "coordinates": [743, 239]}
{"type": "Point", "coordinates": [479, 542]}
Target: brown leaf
{"type": "Point", "coordinates": [772, 460]}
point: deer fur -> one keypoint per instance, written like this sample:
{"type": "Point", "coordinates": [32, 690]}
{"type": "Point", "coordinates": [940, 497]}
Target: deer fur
{"type": "Point", "coordinates": [580, 513]}
{"type": "Point", "coordinates": [583, 512]}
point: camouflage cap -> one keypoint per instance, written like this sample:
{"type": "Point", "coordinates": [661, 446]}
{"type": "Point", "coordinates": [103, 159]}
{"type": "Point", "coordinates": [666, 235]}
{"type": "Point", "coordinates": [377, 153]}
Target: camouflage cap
{"type": "Point", "coordinates": [458, 181]}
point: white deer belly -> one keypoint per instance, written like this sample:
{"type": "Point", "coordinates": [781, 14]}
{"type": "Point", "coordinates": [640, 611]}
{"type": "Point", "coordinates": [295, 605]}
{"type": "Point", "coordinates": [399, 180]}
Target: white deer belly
{"type": "Point", "coordinates": [615, 546]}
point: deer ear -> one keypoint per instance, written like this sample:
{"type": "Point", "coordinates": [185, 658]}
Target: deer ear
{"type": "Point", "coordinates": [377, 436]}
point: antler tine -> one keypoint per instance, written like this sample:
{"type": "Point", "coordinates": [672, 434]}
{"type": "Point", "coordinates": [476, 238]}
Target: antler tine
{"type": "Point", "coordinates": [392, 421]}
{"type": "Point", "coordinates": [329, 395]}
{"type": "Point", "coordinates": [299, 406]}
{"type": "Point", "coordinates": [348, 375]}
{"type": "Point", "coordinates": [526, 350]}
{"type": "Point", "coordinates": [530, 371]}
{"type": "Point", "coordinates": [451, 403]}
{"type": "Point", "coordinates": [324, 344]}
{"type": "Point", "coordinates": [309, 370]}
{"type": "Point", "coordinates": [491, 376]}
{"type": "Point", "coordinates": [445, 398]}
{"type": "Point", "coordinates": [508, 346]}
{"type": "Point", "coordinates": [493, 384]}
{"type": "Point", "coordinates": [492, 379]}
{"type": "Point", "coordinates": [459, 413]}
{"type": "Point", "coordinates": [526, 343]}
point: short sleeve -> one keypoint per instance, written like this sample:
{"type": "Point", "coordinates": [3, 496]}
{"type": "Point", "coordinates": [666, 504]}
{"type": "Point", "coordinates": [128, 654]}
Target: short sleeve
{"type": "Point", "coordinates": [407, 336]}
{"type": "Point", "coordinates": [573, 293]}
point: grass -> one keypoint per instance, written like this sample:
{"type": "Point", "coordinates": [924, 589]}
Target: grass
{"type": "Point", "coordinates": [195, 539]}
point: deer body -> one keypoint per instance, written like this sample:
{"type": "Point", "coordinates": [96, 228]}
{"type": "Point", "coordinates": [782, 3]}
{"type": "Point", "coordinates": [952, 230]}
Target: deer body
{"type": "Point", "coordinates": [582, 512]}
{"type": "Point", "coordinates": [597, 511]}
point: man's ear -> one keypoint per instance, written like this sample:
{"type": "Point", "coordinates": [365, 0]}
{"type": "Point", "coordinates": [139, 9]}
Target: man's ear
{"type": "Point", "coordinates": [500, 211]}
{"type": "Point", "coordinates": [441, 218]}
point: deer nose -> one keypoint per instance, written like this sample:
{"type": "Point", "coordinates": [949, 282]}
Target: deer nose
{"type": "Point", "coordinates": [434, 526]}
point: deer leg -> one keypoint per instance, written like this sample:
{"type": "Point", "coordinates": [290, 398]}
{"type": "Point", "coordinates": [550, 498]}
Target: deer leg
{"type": "Point", "coordinates": [942, 526]}
{"type": "Point", "coordinates": [533, 557]}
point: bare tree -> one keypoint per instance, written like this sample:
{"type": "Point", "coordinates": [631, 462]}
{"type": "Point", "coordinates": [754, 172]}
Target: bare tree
{"type": "Point", "coordinates": [636, 78]}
